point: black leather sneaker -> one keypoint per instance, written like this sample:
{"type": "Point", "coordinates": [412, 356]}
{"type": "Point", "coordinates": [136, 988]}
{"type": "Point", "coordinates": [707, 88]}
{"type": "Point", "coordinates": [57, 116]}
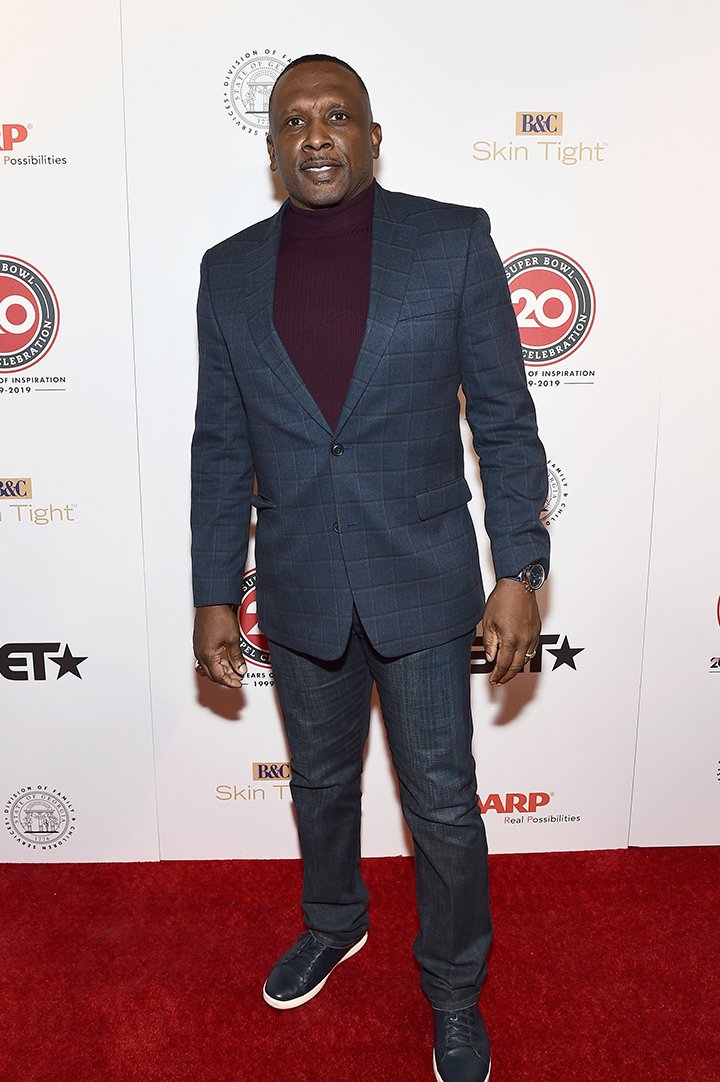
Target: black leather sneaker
{"type": "Point", "coordinates": [303, 970]}
{"type": "Point", "coordinates": [462, 1048]}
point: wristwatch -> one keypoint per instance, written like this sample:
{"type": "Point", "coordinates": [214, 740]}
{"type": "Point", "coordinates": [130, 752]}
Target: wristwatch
{"type": "Point", "coordinates": [532, 577]}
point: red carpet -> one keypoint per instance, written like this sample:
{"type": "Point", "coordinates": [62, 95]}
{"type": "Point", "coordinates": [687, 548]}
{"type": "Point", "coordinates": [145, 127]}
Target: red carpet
{"type": "Point", "coordinates": [605, 966]}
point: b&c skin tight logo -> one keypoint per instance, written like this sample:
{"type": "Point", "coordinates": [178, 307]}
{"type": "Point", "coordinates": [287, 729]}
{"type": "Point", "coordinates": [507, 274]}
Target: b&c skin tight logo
{"type": "Point", "coordinates": [29, 316]}
{"type": "Point", "coordinates": [247, 87]}
{"type": "Point", "coordinates": [554, 302]}
{"type": "Point", "coordinates": [39, 818]}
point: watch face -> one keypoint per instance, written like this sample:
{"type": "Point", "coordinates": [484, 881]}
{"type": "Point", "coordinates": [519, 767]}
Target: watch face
{"type": "Point", "coordinates": [535, 576]}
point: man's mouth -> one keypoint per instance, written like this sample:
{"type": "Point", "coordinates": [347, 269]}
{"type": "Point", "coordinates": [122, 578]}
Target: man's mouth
{"type": "Point", "coordinates": [319, 167]}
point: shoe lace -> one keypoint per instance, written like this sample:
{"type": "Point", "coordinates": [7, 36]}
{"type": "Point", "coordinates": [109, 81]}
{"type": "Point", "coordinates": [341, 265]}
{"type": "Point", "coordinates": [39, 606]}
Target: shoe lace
{"type": "Point", "coordinates": [462, 1028]}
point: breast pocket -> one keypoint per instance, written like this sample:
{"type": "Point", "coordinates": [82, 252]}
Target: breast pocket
{"type": "Point", "coordinates": [427, 304]}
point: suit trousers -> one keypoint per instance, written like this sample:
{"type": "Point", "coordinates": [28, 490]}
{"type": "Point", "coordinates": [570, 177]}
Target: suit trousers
{"type": "Point", "coordinates": [425, 700]}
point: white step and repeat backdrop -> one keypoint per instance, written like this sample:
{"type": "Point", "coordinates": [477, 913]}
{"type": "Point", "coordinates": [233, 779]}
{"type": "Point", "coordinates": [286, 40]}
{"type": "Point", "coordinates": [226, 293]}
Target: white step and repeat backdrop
{"type": "Point", "coordinates": [131, 139]}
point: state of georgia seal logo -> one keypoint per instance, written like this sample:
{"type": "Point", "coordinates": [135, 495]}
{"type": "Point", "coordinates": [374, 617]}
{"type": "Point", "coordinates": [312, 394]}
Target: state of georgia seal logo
{"type": "Point", "coordinates": [255, 647]}
{"type": "Point", "coordinates": [247, 86]}
{"type": "Point", "coordinates": [39, 818]}
{"type": "Point", "coordinates": [554, 302]}
{"type": "Point", "coordinates": [557, 494]}
{"type": "Point", "coordinates": [29, 316]}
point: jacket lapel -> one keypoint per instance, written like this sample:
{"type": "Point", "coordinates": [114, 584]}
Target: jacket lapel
{"type": "Point", "coordinates": [393, 248]}
{"type": "Point", "coordinates": [259, 289]}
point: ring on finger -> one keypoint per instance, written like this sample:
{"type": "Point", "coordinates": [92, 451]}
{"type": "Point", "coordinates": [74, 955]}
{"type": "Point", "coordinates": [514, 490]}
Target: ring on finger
{"type": "Point", "coordinates": [529, 657]}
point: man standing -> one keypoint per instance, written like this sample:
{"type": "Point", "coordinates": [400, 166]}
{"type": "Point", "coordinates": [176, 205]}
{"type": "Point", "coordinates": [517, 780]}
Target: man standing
{"type": "Point", "coordinates": [333, 340]}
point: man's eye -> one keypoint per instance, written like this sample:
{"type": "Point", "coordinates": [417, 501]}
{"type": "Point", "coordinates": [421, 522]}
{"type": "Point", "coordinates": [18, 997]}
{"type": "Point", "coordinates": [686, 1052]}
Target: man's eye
{"type": "Point", "coordinates": [293, 121]}
{"type": "Point", "coordinates": [339, 115]}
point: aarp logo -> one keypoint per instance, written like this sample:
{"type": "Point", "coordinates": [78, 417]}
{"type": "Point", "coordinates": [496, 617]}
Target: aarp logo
{"type": "Point", "coordinates": [12, 134]}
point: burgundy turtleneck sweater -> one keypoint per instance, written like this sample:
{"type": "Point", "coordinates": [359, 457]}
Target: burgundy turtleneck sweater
{"type": "Point", "coordinates": [322, 291]}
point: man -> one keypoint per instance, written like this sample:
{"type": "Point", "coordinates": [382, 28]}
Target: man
{"type": "Point", "coordinates": [333, 340]}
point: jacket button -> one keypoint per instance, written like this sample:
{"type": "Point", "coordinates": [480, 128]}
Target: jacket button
{"type": "Point", "coordinates": [337, 449]}
{"type": "Point", "coordinates": [336, 528]}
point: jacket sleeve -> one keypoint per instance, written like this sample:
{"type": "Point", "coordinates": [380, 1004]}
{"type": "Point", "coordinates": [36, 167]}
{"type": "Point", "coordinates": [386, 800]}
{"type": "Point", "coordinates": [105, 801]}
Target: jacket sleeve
{"type": "Point", "coordinates": [500, 411]}
{"type": "Point", "coordinates": [222, 468]}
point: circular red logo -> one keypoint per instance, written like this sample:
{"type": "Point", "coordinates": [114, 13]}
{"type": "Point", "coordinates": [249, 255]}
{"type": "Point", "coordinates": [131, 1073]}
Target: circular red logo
{"type": "Point", "coordinates": [29, 314]}
{"type": "Point", "coordinates": [554, 302]}
{"type": "Point", "coordinates": [255, 647]}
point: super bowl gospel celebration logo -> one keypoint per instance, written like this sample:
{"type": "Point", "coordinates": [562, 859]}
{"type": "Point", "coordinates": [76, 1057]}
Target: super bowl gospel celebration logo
{"type": "Point", "coordinates": [28, 314]}
{"type": "Point", "coordinates": [247, 87]}
{"type": "Point", "coordinates": [39, 818]}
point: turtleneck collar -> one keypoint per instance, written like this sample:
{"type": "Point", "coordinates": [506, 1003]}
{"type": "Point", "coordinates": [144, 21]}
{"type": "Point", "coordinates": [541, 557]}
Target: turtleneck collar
{"type": "Point", "coordinates": [346, 217]}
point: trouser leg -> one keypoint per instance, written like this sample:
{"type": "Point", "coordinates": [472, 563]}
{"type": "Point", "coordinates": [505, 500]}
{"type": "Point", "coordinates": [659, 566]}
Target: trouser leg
{"type": "Point", "coordinates": [326, 711]}
{"type": "Point", "coordinates": [425, 699]}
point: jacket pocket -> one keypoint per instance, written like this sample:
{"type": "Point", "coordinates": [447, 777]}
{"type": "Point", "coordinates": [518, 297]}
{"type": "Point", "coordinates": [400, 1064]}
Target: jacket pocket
{"type": "Point", "coordinates": [261, 502]}
{"type": "Point", "coordinates": [438, 500]}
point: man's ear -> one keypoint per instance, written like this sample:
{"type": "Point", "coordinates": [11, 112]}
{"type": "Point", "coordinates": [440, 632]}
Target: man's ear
{"type": "Point", "coordinates": [271, 152]}
{"type": "Point", "coordinates": [375, 139]}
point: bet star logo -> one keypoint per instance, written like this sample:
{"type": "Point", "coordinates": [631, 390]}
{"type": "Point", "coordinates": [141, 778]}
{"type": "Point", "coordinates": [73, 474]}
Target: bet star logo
{"type": "Point", "coordinates": [564, 654]}
{"type": "Point", "coordinates": [18, 660]}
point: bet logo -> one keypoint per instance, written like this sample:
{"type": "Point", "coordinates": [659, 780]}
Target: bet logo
{"type": "Point", "coordinates": [27, 661]}
{"type": "Point", "coordinates": [28, 314]}
{"type": "Point", "coordinates": [255, 647]}
{"type": "Point", "coordinates": [554, 302]}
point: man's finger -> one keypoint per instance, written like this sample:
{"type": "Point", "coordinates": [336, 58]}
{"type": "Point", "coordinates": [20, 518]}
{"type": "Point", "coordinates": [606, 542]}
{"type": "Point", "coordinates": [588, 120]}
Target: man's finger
{"type": "Point", "coordinates": [222, 672]}
{"type": "Point", "coordinates": [490, 643]}
{"type": "Point", "coordinates": [236, 659]}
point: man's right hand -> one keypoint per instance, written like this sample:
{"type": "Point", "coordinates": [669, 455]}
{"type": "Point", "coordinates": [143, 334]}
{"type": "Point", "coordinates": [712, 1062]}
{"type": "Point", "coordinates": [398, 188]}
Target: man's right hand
{"type": "Point", "coordinates": [216, 642]}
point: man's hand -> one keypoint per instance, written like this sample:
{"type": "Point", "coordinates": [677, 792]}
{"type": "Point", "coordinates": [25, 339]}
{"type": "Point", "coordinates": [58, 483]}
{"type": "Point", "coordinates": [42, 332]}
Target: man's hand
{"type": "Point", "coordinates": [510, 629]}
{"type": "Point", "coordinates": [216, 642]}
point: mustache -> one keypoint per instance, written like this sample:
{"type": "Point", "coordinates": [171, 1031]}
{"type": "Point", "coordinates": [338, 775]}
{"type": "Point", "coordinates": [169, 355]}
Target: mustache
{"type": "Point", "coordinates": [319, 161]}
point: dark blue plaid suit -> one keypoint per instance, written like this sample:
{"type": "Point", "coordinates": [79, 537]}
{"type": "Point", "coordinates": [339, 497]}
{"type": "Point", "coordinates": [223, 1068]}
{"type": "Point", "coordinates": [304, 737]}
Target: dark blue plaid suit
{"type": "Point", "coordinates": [383, 520]}
{"type": "Point", "coordinates": [367, 563]}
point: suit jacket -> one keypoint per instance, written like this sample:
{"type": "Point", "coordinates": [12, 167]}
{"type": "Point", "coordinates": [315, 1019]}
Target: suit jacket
{"type": "Point", "coordinates": [374, 512]}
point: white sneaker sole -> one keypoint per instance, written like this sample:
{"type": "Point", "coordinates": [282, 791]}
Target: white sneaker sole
{"type": "Point", "coordinates": [288, 1005]}
{"type": "Point", "coordinates": [440, 1078]}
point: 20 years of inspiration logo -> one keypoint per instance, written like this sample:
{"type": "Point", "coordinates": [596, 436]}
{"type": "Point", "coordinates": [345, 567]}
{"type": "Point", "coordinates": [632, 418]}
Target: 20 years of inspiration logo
{"type": "Point", "coordinates": [554, 302]}
{"type": "Point", "coordinates": [29, 314]}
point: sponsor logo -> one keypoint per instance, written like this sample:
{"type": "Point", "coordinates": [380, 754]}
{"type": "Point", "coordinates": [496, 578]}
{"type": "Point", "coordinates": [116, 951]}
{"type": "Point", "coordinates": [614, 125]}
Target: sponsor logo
{"type": "Point", "coordinates": [16, 494]}
{"type": "Point", "coordinates": [715, 664]}
{"type": "Point", "coordinates": [554, 302]}
{"type": "Point", "coordinates": [39, 818]}
{"type": "Point", "coordinates": [271, 772]}
{"type": "Point", "coordinates": [28, 661]}
{"type": "Point", "coordinates": [538, 131]}
{"type": "Point", "coordinates": [517, 808]}
{"type": "Point", "coordinates": [255, 647]}
{"type": "Point", "coordinates": [565, 654]}
{"type": "Point", "coordinates": [557, 494]}
{"type": "Point", "coordinates": [545, 123]}
{"type": "Point", "coordinates": [11, 135]}
{"type": "Point", "coordinates": [28, 314]}
{"type": "Point", "coordinates": [15, 488]}
{"type": "Point", "coordinates": [247, 87]}
{"type": "Point", "coordinates": [275, 779]}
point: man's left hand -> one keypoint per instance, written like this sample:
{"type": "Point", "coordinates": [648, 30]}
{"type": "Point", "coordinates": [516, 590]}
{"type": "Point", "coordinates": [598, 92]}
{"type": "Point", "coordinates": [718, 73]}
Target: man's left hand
{"type": "Point", "coordinates": [510, 629]}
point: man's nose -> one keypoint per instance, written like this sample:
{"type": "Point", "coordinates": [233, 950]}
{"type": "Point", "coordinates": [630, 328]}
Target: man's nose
{"type": "Point", "coordinates": [318, 135]}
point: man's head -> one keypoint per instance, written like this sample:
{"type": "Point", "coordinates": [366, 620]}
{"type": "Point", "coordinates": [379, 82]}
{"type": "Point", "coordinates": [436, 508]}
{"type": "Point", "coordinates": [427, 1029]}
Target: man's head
{"type": "Point", "coordinates": [322, 139]}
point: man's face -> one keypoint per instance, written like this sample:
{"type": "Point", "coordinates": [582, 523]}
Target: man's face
{"type": "Point", "coordinates": [322, 140]}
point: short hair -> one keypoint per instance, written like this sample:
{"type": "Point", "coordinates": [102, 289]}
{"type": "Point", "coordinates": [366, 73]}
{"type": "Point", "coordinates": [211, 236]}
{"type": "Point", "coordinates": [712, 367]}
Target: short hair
{"type": "Point", "coordinates": [318, 58]}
